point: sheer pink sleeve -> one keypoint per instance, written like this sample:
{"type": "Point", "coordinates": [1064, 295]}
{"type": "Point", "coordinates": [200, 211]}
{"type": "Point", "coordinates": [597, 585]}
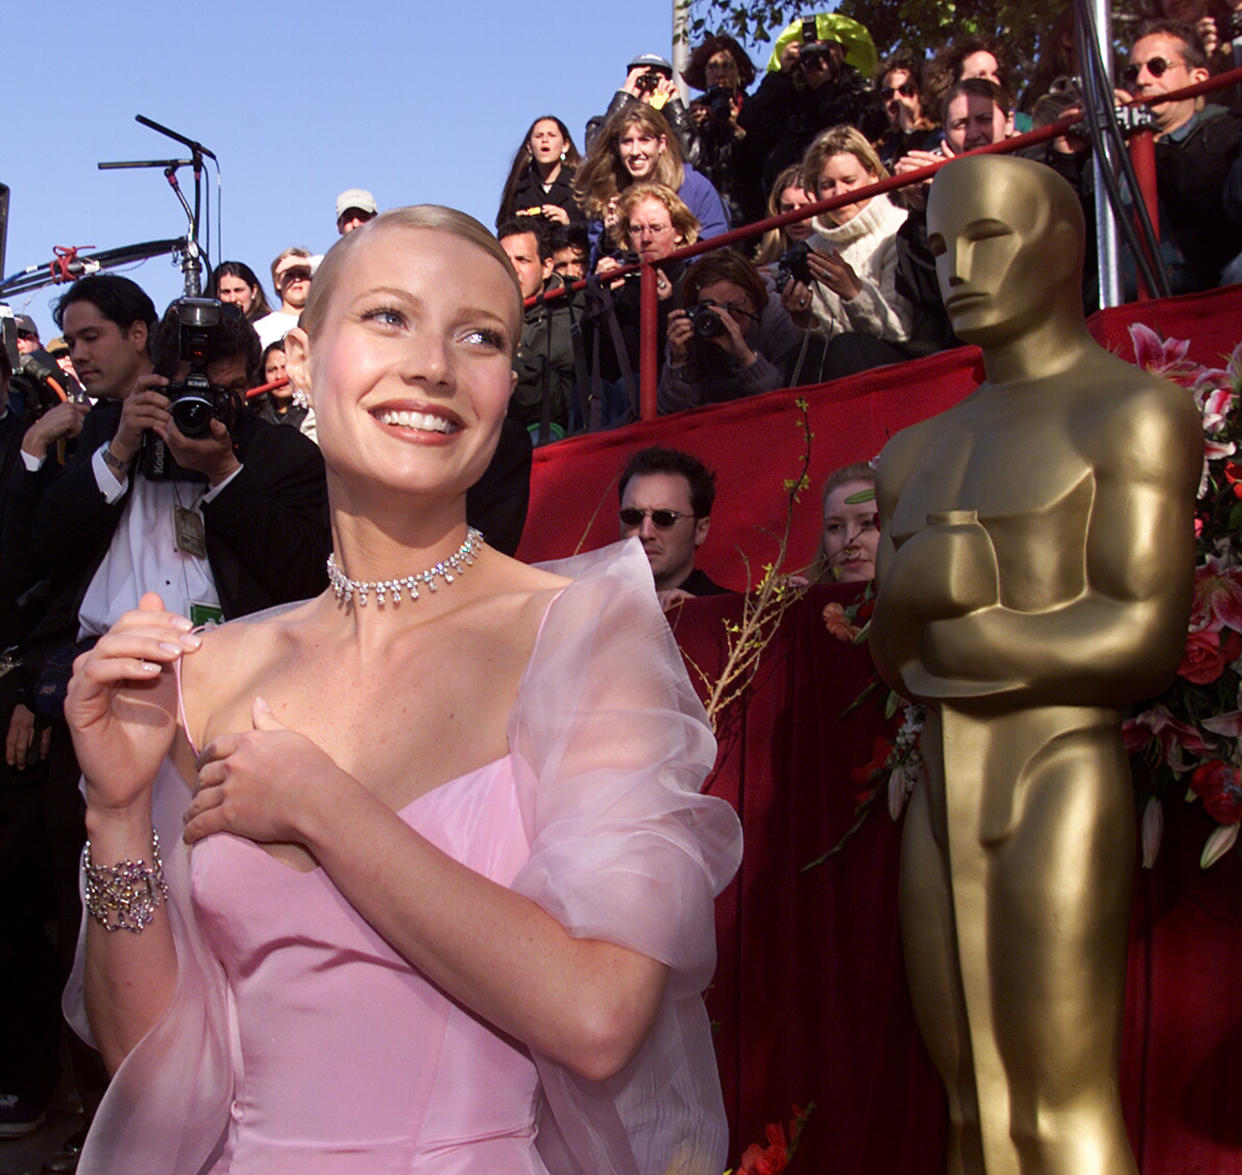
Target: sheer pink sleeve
{"type": "Point", "coordinates": [167, 1106]}
{"type": "Point", "coordinates": [611, 747]}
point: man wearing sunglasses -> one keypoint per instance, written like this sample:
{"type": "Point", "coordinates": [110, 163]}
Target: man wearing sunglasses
{"type": "Point", "coordinates": [1198, 168]}
{"type": "Point", "coordinates": [291, 278]}
{"type": "Point", "coordinates": [666, 500]}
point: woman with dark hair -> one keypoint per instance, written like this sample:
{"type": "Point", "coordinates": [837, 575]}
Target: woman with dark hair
{"type": "Point", "coordinates": [975, 56]}
{"type": "Point", "coordinates": [235, 282]}
{"type": "Point", "coordinates": [281, 405]}
{"type": "Point", "coordinates": [636, 146]}
{"type": "Point", "coordinates": [719, 123]}
{"type": "Point", "coordinates": [541, 178]}
{"type": "Point", "coordinates": [415, 875]}
{"type": "Point", "coordinates": [730, 340]}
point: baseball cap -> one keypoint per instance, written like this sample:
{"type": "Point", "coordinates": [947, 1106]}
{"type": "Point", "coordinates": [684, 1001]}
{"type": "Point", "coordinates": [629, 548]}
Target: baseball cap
{"type": "Point", "coordinates": [358, 198]}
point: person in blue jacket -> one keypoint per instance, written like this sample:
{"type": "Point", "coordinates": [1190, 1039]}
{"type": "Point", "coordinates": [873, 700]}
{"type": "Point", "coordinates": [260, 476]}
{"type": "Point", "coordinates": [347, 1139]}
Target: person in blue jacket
{"type": "Point", "coordinates": [636, 145]}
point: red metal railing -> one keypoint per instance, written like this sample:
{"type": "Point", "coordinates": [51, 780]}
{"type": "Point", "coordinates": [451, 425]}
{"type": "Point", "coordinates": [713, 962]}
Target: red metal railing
{"type": "Point", "coordinates": [1141, 152]}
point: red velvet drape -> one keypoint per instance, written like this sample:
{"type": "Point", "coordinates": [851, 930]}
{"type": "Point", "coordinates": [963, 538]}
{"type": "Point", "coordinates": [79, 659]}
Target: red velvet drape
{"type": "Point", "coordinates": [810, 996]}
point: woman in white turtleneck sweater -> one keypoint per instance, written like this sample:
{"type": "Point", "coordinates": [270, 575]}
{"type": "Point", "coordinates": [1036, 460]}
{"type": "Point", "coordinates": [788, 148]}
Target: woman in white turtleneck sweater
{"type": "Point", "coordinates": [853, 300]}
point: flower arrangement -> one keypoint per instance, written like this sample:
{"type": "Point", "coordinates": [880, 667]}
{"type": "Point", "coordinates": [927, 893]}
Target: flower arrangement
{"type": "Point", "coordinates": [1187, 740]}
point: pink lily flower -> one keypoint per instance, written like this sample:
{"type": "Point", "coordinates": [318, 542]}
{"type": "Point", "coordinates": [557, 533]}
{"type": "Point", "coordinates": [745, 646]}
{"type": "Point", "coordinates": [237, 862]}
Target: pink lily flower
{"type": "Point", "coordinates": [1218, 593]}
{"type": "Point", "coordinates": [1172, 735]}
{"type": "Point", "coordinates": [1164, 357]}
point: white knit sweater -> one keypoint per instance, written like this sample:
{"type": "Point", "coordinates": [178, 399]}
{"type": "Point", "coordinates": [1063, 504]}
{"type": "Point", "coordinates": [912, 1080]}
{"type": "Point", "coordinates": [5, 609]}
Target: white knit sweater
{"type": "Point", "coordinates": [869, 244]}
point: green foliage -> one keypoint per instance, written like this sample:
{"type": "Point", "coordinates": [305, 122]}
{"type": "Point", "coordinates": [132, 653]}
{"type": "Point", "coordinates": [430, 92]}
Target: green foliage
{"type": "Point", "coordinates": [916, 26]}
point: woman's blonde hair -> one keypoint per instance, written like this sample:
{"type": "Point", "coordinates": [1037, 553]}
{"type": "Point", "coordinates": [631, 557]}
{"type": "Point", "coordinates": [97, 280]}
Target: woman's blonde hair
{"type": "Point", "coordinates": [602, 175]}
{"type": "Point", "coordinates": [840, 140]}
{"type": "Point", "coordinates": [684, 222]}
{"type": "Point", "coordinates": [417, 216]}
{"type": "Point", "coordinates": [774, 242]}
{"type": "Point", "coordinates": [821, 570]}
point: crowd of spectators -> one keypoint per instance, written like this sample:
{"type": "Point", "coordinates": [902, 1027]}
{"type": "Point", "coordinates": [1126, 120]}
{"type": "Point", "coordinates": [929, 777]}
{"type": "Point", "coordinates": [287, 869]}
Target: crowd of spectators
{"type": "Point", "coordinates": [233, 518]}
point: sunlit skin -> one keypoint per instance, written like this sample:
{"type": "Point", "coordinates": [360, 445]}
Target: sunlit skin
{"type": "Point", "coordinates": [395, 341]}
{"type": "Point", "coordinates": [352, 218]}
{"type": "Point", "coordinates": [1169, 115]}
{"type": "Point", "coordinates": [640, 151]}
{"type": "Point", "coordinates": [231, 288]}
{"type": "Point", "coordinates": [522, 250]}
{"type": "Point", "coordinates": [790, 199]}
{"type": "Point", "coordinates": [108, 360]}
{"type": "Point", "coordinates": [546, 144]}
{"type": "Point", "coordinates": [973, 121]}
{"type": "Point", "coordinates": [27, 343]}
{"type": "Point", "coordinates": [851, 534]}
{"type": "Point", "coordinates": [293, 283]}
{"type": "Point", "coordinates": [570, 262]}
{"type": "Point", "coordinates": [903, 113]}
{"type": "Point", "coordinates": [980, 64]}
{"type": "Point", "coordinates": [670, 551]}
{"type": "Point", "coordinates": [841, 174]}
{"type": "Point", "coordinates": [651, 231]}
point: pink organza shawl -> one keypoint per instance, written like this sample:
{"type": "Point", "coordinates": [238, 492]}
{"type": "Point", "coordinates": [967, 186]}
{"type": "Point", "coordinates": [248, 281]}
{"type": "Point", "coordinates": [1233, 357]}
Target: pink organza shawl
{"type": "Point", "coordinates": [610, 748]}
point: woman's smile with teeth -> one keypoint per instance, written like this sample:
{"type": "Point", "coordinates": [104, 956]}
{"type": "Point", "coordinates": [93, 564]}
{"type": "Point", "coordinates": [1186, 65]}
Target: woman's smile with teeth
{"type": "Point", "coordinates": [427, 421]}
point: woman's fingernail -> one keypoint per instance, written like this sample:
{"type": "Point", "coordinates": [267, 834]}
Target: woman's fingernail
{"type": "Point", "coordinates": [182, 623]}
{"type": "Point", "coordinates": [169, 647]}
{"type": "Point", "coordinates": [191, 640]}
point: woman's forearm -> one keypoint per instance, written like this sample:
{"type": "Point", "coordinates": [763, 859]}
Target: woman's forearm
{"type": "Point", "coordinates": [584, 1003]}
{"type": "Point", "coordinates": [129, 976]}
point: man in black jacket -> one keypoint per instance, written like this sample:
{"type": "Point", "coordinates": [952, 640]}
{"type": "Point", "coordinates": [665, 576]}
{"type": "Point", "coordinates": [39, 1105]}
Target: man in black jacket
{"type": "Point", "coordinates": [1198, 159]}
{"type": "Point", "coordinates": [244, 527]}
{"type": "Point", "coordinates": [545, 360]}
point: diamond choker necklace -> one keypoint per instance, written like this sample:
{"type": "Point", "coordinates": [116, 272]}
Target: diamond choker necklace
{"type": "Point", "coordinates": [348, 590]}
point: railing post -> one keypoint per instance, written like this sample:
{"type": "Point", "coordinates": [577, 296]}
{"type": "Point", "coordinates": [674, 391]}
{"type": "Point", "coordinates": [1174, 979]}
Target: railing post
{"type": "Point", "coordinates": [1142, 146]}
{"type": "Point", "coordinates": [648, 336]}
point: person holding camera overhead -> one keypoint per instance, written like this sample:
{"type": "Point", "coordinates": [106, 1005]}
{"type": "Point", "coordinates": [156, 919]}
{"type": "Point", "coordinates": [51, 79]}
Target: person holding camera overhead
{"type": "Point", "coordinates": [720, 120]}
{"type": "Point", "coordinates": [649, 82]}
{"type": "Point", "coordinates": [731, 340]}
{"type": "Point", "coordinates": [815, 80]}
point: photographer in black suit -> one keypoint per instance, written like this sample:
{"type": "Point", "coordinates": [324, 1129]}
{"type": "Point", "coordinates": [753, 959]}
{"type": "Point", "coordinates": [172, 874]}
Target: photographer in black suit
{"type": "Point", "coordinates": [242, 526]}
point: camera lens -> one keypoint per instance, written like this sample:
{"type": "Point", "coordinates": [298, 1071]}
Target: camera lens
{"type": "Point", "coordinates": [192, 415]}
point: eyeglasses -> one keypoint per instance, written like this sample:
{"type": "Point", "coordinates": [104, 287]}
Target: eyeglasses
{"type": "Point", "coordinates": [906, 90]}
{"type": "Point", "coordinates": [301, 274]}
{"type": "Point", "coordinates": [633, 516]}
{"type": "Point", "coordinates": [1156, 66]}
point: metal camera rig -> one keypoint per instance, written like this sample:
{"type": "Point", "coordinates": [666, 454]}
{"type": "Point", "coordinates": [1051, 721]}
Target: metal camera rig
{"type": "Point", "coordinates": [69, 264]}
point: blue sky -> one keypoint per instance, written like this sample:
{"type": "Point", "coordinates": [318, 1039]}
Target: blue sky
{"type": "Point", "coordinates": [421, 102]}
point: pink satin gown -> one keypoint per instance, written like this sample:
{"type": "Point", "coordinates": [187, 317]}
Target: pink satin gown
{"type": "Point", "coordinates": [297, 1041]}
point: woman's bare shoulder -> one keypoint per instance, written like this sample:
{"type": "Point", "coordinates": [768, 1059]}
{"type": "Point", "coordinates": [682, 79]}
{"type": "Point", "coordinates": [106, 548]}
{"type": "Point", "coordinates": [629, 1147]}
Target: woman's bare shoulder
{"type": "Point", "coordinates": [232, 654]}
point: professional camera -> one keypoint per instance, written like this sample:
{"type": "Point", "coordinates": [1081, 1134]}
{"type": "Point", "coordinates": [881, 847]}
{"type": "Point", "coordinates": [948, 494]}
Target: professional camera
{"type": "Point", "coordinates": [794, 263]}
{"type": "Point", "coordinates": [706, 322]}
{"type": "Point", "coordinates": [194, 401]}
